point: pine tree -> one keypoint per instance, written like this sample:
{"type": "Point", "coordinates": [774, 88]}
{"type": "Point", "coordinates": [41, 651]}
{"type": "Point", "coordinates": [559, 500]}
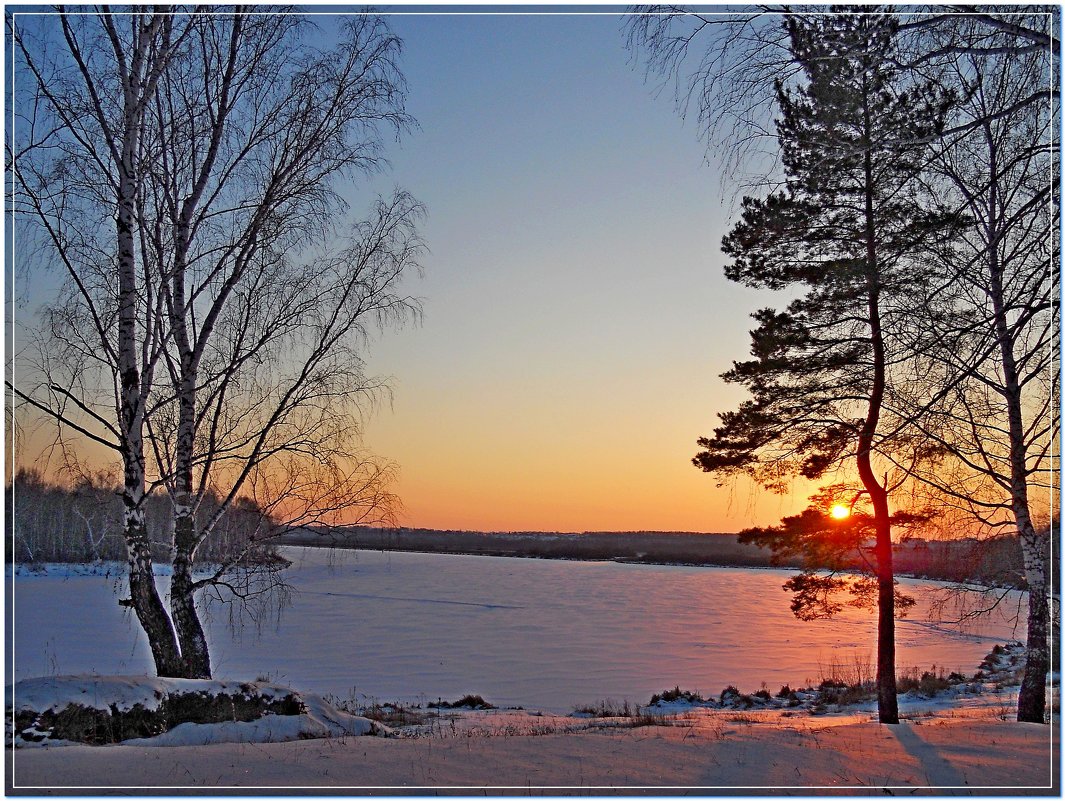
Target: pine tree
{"type": "Point", "coordinates": [849, 229]}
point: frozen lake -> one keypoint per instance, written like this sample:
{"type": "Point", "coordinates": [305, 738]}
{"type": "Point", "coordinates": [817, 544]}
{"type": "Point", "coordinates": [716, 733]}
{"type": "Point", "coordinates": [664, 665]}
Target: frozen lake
{"type": "Point", "coordinates": [538, 633]}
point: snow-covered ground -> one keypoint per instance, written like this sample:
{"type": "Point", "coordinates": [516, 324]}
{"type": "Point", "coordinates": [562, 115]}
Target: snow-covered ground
{"type": "Point", "coordinates": [542, 634]}
{"type": "Point", "coordinates": [964, 750]}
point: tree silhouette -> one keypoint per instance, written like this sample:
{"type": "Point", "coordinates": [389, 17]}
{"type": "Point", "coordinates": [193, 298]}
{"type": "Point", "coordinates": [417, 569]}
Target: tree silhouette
{"type": "Point", "coordinates": [722, 67]}
{"type": "Point", "coordinates": [984, 380]}
{"type": "Point", "coordinates": [848, 228]}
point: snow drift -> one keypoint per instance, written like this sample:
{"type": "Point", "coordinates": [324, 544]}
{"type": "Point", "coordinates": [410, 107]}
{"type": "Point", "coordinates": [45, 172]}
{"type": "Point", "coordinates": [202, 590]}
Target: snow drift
{"type": "Point", "coordinates": [158, 711]}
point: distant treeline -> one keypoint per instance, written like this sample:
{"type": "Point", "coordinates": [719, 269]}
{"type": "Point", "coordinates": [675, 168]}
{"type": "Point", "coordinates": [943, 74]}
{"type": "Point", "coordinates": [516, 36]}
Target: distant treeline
{"type": "Point", "coordinates": [994, 561]}
{"type": "Point", "coordinates": [82, 522]}
{"type": "Point", "coordinates": [658, 546]}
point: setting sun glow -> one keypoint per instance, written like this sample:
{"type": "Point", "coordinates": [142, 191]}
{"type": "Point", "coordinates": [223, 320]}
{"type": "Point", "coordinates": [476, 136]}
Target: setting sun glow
{"type": "Point", "coordinates": [839, 511]}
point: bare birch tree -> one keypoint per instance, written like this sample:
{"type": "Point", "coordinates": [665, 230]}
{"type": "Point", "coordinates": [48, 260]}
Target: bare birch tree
{"type": "Point", "coordinates": [258, 305]}
{"type": "Point", "coordinates": [985, 333]}
{"type": "Point", "coordinates": [77, 162]}
{"type": "Point", "coordinates": [721, 66]}
{"type": "Point", "coordinates": [252, 131]}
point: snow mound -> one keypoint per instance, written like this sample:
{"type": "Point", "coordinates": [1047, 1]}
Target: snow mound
{"type": "Point", "coordinates": [145, 710]}
{"type": "Point", "coordinates": [321, 720]}
{"type": "Point", "coordinates": [1005, 663]}
{"type": "Point", "coordinates": [53, 693]}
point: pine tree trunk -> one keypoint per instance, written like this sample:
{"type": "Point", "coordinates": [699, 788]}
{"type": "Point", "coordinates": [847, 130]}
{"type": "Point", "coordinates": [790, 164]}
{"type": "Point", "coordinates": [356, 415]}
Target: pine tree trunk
{"type": "Point", "coordinates": [887, 700]}
{"type": "Point", "coordinates": [886, 691]}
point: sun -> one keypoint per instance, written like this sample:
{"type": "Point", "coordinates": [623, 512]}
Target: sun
{"type": "Point", "coordinates": [839, 511]}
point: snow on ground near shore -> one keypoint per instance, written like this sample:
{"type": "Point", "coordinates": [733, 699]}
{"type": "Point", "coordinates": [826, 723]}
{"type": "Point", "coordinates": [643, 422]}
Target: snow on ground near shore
{"type": "Point", "coordinates": [953, 743]}
{"type": "Point", "coordinates": [320, 721]}
{"type": "Point", "coordinates": [120, 694]}
{"type": "Point", "coordinates": [957, 750]}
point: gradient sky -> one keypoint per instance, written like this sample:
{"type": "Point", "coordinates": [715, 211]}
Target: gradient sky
{"type": "Point", "coordinates": [576, 315]}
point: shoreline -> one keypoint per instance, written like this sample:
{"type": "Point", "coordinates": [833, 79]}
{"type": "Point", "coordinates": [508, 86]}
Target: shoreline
{"type": "Point", "coordinates": [957, 561]}
{"type": "Point", "coordinates": [460, 628]}
{"type": "Point", "coordinates": [620, 560]}
{"type": "Point", "coordinates": [943, 561]}
{"type": "Point", "coordinates": [970, 747]}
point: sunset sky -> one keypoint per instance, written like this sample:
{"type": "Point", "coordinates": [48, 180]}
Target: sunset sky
{"type": "Point", "coordinates": [576, 317]}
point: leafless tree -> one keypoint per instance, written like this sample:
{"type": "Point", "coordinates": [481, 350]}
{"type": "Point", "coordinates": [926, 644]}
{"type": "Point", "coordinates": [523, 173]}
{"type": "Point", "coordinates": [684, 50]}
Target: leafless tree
{"type": "Point", "coordinates": [722, 66]}
{"type": "Point", "coordinates": [77, 157]}
{"type": "Point", "coordinates": [253, 307]}
{"type": "Point", "coordinates": [251, 131]}
{"type": "Point", "coordinates": [985, 334]}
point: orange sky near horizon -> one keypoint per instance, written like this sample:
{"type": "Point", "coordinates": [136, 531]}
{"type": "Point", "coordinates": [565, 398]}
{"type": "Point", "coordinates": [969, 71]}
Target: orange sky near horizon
{"type": "Point", "coordinates": [478, 486]}
{"type": "Point", "coordinates": [554, 453]}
